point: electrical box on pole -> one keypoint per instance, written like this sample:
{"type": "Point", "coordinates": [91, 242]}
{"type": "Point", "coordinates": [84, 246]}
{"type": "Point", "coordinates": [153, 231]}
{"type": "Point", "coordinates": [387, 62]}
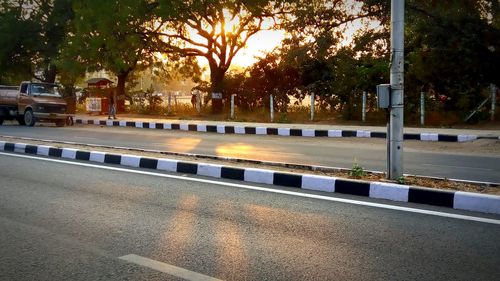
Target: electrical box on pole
{"type": "Point", "coordinates": [384, 95]}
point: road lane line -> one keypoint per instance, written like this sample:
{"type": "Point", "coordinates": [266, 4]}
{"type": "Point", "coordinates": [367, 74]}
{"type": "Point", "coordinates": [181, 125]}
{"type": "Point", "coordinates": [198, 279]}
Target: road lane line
{"type": "Point", "coordinates": [459, 167]}
{"type": "Point", "coordinates": [167, 268]}
{"type": "Point", "coordinates": [277, 191]}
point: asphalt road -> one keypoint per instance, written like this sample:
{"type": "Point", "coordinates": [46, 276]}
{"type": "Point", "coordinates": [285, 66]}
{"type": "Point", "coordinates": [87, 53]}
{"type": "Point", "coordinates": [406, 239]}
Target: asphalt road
{"type": "Point", "coordinates": [343, 152]}
{"type": "Point", "coordinates": [66, 222]}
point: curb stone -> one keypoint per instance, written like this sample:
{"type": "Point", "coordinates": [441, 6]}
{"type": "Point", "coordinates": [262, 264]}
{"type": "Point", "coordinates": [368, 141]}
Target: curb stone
{"type": "Point", "coordinates": [248, 130]}
{"type": "Point", "coordinates": [402, 193]}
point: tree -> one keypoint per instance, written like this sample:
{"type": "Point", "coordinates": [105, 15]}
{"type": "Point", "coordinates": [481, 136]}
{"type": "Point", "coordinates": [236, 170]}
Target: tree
{"type": "Point", "coordinates": [110, 35]}
{"type": "Point", "coordinates": [32, 34]}
{"type": "Point", "coordinates": [453, 48]}
{"type": "Point", "coordinates": [213, 29]}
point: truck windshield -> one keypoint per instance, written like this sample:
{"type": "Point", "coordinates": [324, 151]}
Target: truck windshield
{"type": "Point", "coordinates": [44, 90]}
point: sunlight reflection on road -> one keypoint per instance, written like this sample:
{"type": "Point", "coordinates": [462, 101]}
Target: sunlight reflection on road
{"type": "Point", "coordinates": [242, 150]}
{"type": "Point", "coordinates": [183, 144]}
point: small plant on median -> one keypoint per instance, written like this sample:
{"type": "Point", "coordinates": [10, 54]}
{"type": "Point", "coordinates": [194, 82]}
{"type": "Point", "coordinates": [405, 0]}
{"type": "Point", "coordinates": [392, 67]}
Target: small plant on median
{"type": "Point", "coordinates": [401, 180]}
{"type": "Point", "coordinates": [357, 171]}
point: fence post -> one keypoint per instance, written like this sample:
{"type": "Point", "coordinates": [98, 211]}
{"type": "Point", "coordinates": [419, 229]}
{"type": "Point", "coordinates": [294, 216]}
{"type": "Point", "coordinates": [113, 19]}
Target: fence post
{"type": "Point", "coordinates": [422, 108]}
{"type": "Point", "coordinates": [312, 106]}
{"type": "Point", "coordinates": [271, 107]}
{"type": "Point", "coordinates": [169, 110]}
{"type": "Point", "coordinates": [363, 107]}
{"type": "Point", "coordinates": [232, 106]}
{"type": "Point", "coordinates": [493, 89]}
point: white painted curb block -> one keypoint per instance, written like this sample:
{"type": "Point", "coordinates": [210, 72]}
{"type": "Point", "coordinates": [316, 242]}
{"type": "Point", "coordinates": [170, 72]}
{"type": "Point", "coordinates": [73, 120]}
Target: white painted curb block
{"type": "Point", "coordinates": [261, 131]}
{"type": "Point", "coordinates": [97, 156]}
{"type": "Point", "coordinates": [318, 183]}
{"type": "Point", "coordinates": [390, 191]}
{"type": "Point", "coordinates": [167, 165]}
{"type": "Point", "coordinates": [130, 160]}
{"type": "Point", "coordinates": [258, 175]}
{"type": "Point", "coordinates": [334, 133]}
{"type": "Point", "coordinates": [429, 137]}
{"type": "Point", "coordinates": [43, 150]}
{"type": "Point", "coordinates": [69, 153]}
{"type": "Point", "coordinates": [239, 130]}
{"type": "Point", "coordinates": [284, 131]}
{"type": "Point", "coordinates": [308, 132]}
{"type": "Point", "coordinates": [201, 128]}
{"type": "Point", "coordinates": [476, 202]}
{"type": "Point", "coordinates": [209, 170]}
{"type": "Point", "coordinates": [19, 147]}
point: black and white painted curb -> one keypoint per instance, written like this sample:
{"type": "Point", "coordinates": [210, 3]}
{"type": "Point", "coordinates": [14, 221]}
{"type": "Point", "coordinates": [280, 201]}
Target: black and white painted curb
{"type": "Point", "coordinates": [248, 130]}
{"type": "Point", "coordinates": [380, 190]}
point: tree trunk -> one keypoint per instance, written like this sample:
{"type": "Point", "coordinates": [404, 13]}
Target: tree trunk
{"type": "Point", "coordinates": [49, 74]}
{"type": "Point", "coordinates": [216, 79]}
{"type": "Point", "coordinates": [120, 87]}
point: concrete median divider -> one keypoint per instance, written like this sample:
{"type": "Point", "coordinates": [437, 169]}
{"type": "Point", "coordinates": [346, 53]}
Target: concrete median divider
{"type": "Point", "coordinates": [249, 130]}
{"type": "Point", "coordinates": [379, 190]}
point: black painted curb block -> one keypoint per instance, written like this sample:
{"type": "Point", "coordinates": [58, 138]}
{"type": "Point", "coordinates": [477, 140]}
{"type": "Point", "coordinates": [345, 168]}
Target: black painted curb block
{"type": "Point", "coordinates": [223, 129]}
{"type": "Point", "coordinates": [395, 192]}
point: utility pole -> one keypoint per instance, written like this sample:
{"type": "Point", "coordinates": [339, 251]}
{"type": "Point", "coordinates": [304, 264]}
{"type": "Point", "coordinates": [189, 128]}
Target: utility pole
{"type": "Point", "coordinates": [312, 106]}
{"type": "Point", "coordinates": [422, 108]}
{"type": "Point", "coordinates": [271, 107]}
{"type": "Point", "coordinates": [493, 89]}
{"type": "Point", "coordinates": [363, 107]}
{"type": "Point", "coordinates": [395, 136]}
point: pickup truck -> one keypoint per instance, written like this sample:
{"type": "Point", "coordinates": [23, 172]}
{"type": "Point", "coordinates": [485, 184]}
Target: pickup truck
{"type": "Point", "coordinates": [33, 102]}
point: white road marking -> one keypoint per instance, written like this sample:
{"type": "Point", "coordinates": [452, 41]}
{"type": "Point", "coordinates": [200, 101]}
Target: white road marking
{"type": "Point", "coordinates": [278, 191]}
{"type": "Point", "coordinates": [459, 167]}
{"type": "Point", "coordinates": [167, 268]}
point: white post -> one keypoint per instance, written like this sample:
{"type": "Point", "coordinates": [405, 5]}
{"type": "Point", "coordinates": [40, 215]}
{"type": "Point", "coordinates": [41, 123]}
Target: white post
{"type": "Point", "coordinates": [493, 89]}
{"type": "Point", "coordinates": [232, 106]}
{"type": "Point", "coordinates": [422, 108]}
{"type": "Point", "coordinates": [397, 90]}
{"type": "Point", "coordinates": [169, 102]}
{"type": "Point", "coordinates": [363, 107]}
{"type": "Point", "coordinates": [271, 107]}
{"type": "Point", "coordinates": [312, 107]}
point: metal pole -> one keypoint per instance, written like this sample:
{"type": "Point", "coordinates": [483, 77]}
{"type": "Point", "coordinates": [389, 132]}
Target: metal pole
{"type": "Point", "coordinates": [271, 107]}
{"type": "Point", "coordinates": [363, 107]}
{"type": "Point", "coordinates": [232, 106]}
{"type": "Point", "coordinates": [422, 108]}
{"type": "Point", "coordinates": [169, 102]}
{"type": "Point", "coordinates": [493, 89]}
{"type": "Point", "coordinates": [312, 106]}
{"type": "Point", "coordinates": [397, 90]}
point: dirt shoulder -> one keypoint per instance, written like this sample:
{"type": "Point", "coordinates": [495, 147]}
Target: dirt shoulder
{"type": "Point", "coordinates": [409, 180]}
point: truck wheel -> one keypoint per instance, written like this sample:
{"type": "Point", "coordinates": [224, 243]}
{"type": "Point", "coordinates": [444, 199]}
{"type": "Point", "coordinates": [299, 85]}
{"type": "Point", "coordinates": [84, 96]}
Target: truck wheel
{"type": "Point", "coordinates": [20, 120]}
{"type": "Point", "coordinates": [29, 118]}
{"type": "Point", "coordinates": [61, 123]}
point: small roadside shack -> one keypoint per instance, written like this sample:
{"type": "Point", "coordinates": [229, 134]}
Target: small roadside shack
{"type": "Point", "coordinates": [100, 91]}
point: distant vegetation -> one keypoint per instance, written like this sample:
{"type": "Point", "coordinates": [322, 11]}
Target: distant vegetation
{"type": "Point", "coordinates": [452, 48]}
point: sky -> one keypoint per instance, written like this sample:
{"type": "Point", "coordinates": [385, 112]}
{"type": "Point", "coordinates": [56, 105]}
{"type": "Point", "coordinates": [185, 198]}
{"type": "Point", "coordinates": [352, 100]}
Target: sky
{"type": "Point", "coordinates": [262, 42]}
